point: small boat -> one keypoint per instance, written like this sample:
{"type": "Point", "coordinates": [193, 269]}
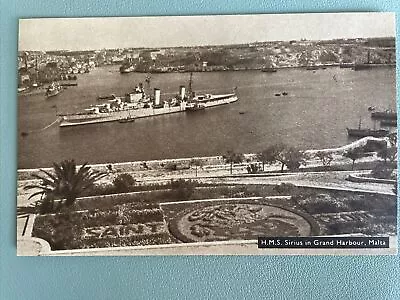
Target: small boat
{"type": "Point", "coordinates": [269, 70]}
{"type": "Point", "coordinates": [371, 108]}
{"type": "Point", "coordinates": [53, 90]}
{"type": "Point", "coordinates": [126, 120]}
{"type": "Point", "coordinates": [362, 66]}
{"type": "Point", "coordinates": [106, 97]}
{"type": "Point", "coordinates": [241, 112]}
{"type": "Point", "coordinates": [127, 68]}
{"type": "Point", "coordinates": [22, 89]}
{"type": "Point", "coordinates": [277, 94]}
{"type": "Point", "coordinates": [390, 123]}
{"type": "Point", "coordinates": [69, 84]}
{"type": "Point", "coordinates": [284, 93]}
{"type": "Point", "coordinates": [312, 68]}
{"type": "Point", "coordinates": [346, 65]}
{"type": "Point", "coordinates": [195, 106]}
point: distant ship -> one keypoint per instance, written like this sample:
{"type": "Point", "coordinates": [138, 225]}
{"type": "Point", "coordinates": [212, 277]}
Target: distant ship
{"type": "Point", "coordinates": [126, 69]}
{"type": "Point", "coordinates": [127, 66]}
{"type": "Point", "coordinates": [363, 132]}
{"type": "Point", "coordinates": [367, 132]}
{"type": "Point", "coordinates": [269, 67]}
{"type": "Point", "coordinates": [390, 123]}
{"type": "Point", "coordinates": [269, 70]}
{"type": "Point", "coordinates": [139, 105]}
{"type": "Point", "coordinates": [312, 67]}
{"type": "Point", "coordinates": [387, 114]}
{"type": "Point", "coordinates": [344, 65]}
{"type": "Point", "coordinates": [53, 90]}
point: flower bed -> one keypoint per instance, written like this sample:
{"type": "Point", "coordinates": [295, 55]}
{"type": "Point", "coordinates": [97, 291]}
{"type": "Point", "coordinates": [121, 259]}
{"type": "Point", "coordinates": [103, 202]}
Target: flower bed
{"type": "Point", "coordinates": [340, 212]}
{"type": "Point", "coordinates": [123, 225]}
{"type": "Point", "coordinates": [236, 219]}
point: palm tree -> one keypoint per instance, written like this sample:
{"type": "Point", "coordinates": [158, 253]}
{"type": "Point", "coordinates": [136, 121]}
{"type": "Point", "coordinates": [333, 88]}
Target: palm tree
{"type": "Point", "coordinates": [232, 157]}
{"type": "Point", "coordinates": [66, 183]}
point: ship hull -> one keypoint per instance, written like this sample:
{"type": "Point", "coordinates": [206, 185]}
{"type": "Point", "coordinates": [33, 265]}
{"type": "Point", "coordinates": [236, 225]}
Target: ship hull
{"type": "Point", "coordinates": [117, 116]}
{"type": "Point", "coordinates": [52, 94]}
{"type": "Point", "coordinates": [384, 115]}
{"type": "Point", "coordinates": [367, 132]}
{"type": "Point", "coordinates": [391, 123]}
{"type": "Point", "coordinates": [85, 119]}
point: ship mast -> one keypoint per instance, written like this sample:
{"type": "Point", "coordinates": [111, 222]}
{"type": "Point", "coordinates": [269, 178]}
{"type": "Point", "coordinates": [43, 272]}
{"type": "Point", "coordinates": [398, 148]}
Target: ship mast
{"type": "Point", "coordinates": [190, 87]}
{"type": "Point", "coordinates": [147, 80]}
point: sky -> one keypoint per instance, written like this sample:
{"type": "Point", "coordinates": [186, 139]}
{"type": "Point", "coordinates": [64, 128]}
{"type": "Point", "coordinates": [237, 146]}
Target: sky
{"type": "Point", "coordinates": [133, 32]}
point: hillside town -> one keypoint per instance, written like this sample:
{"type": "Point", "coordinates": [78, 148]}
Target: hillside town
{"type": "Point", "coordinates": [36, 68]}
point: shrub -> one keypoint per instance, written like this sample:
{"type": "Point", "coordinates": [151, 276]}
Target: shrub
{"type": "Point", "coordinates": [372, 146]}
{"type": "Point", "coordinates": [381, 171]}
{"type": "Point", "coordinates": [123, 183]}
{"type": "Point", "coordinates": [285, 188]}
{"type": "Point", "coordinates": [183, 188]}
{"type": "Point", "coordinates": [171, 167]}
{"type": "Point", "coordinates": [322, 203]}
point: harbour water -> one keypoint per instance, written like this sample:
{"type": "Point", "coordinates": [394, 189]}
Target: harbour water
{"type": "Point", "coordinates": [318, 107]}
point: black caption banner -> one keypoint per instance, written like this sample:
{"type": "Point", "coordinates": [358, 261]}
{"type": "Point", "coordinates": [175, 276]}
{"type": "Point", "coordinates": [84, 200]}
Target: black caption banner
{"type": "Point", "coordinates": [323, 242]}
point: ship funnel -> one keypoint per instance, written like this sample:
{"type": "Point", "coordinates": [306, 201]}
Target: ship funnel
{"type": "Point", "coordinates": [182, 91]}
{"type": "Point", "coordinates": [157, 94]}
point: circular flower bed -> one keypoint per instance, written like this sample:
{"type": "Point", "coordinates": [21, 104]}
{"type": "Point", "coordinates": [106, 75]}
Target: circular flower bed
{"type": "Point", "coordinates": [240, 221]}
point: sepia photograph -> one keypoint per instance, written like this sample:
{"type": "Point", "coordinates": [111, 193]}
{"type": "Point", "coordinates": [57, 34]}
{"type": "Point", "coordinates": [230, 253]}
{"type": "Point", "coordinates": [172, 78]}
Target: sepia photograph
{"type": "Point", "coordinates": [269, 134]}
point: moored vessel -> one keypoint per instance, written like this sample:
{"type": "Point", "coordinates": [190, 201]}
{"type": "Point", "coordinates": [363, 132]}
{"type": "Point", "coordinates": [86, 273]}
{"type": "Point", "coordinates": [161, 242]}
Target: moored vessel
{"type": "Point", "coordinates": [390, 123]}
{"type": "Point", "coordinates": [138, 104]}
{"type": "Point", "coordinates": [367, 132]}
{"type": "Point", "coordinates": [53, 89]}
{"type": "Point", "coordinates": [126, 69]}
{"type": "Point", "coordinates": [364, 132]}
{"type": "Point", "coordinates": [269, 70]}
{"type": "Point", "coordinates": [387, 114]}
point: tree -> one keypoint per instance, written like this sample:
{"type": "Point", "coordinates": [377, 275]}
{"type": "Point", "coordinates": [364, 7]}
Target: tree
{"type": "Point", "coordinates": [385, 170]}
{"type": "Point", "coordinates": [292, 158]}
{"type": "Point", "coordinates": [253, 168]}
{"type": "Point", "coordinates": [388, 154]}
{"type": "Point", "coordinates": [270, 155]}
{"type": "Point", "coordinates": [196, 163]}
{"type": "Point", "coordinates": [231, 157]}
{"type": "Point", "coordinates": [381, 171]}
{"type": "Point", "coordinates": [65, 183]}
{"type": "Point", "coordinates": [325, 157]}
{"type": "Point", "coordinates": [354, 154]}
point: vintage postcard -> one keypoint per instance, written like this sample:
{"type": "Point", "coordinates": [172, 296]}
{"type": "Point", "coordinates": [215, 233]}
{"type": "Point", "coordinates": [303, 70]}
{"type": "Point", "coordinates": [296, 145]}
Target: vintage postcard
{"type": "Point", "coordinates": [197, 135]}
